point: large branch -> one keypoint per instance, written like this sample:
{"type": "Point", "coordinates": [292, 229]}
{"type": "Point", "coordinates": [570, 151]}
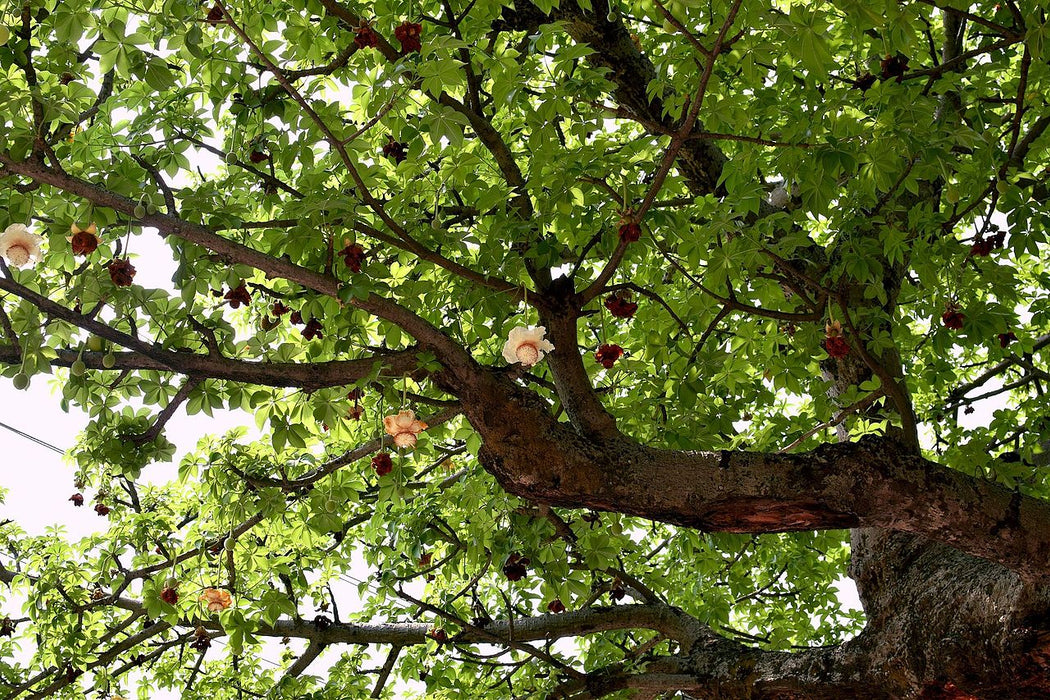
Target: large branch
{"type": "Point", "coordinates": [871, 483]}
{"type": "Point", "coordinates": [303, 375]}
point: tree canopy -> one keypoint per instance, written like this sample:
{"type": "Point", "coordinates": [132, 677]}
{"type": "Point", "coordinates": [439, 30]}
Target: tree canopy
{"type": "Point", "coordinates": [587, 346]}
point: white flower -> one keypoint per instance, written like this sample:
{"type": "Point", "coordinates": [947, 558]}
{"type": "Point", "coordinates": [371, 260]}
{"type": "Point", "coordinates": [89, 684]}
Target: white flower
{"type": "Point", "coordinates": [404, 428]}
{"type": "Point", "coordinates": [19, 246]}
{"type": "Point", "coordinates": [526, 345]}
{"type": "Point", "coordinates": [779, 197]}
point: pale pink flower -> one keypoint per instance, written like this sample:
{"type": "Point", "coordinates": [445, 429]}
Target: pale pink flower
{"type": "Point", "coordinates": [404, 427]}
{"type": "Point", "coordinates": [526, 345]}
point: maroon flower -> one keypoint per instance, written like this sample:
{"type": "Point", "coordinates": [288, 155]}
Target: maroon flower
{"type": "Point", "coordinates": [630, 231]}
{"type": "Point", "coordinates": [395, 150]}
{"type": "Point", "coordinates": [238, 295]}
{"type": "Point", "coordinates": [78, 499]}
{"type": "Point", "coordinates": [836, 346]}
{"type": "Point", "coordinates": [1006, 338]}
{"type": "Point", "coordinates": [278, 309]}
{"type": "Point", "coordinates": [365, 37]}
{"type": "Point", "coordinates": [408, 34]}
{"type": "Point", "coordinates": [121, 271]}
{"type": "Point", "coordinates": [169, 595]}
{"type": "Point", "coordinates": [620, 305]}
{"type": "Point", "coordinates": [617, 593]}
{"type": "Point", "coordinates": [259, 156]}
{"type": "Point", "coordinates": [953, 318]}
{"type": "Point", "coordinates": [353, 256]}
{"type": "Point", "coordinates": [438, 635]}
{"type": "Point", "coordinates": [201, 640]}
{"type": "Point", "coordinates": [102, 509]}
{"type": "Point", "coordinates": [215, 15]}
{"type": "Point", "coordinates": [516, 567]}
{"type": "Point", "coordinates": [313, 329]}
{"type": "Point", "coordinates": [894, 67]}
{"type": "Point", "coordinates": [863, 82]}
{"type": "Point", "coordinates": [296, 318]}
{"type": "Point", "coordinates": [84, 242]}
{"type": "Point", "coordinates": [607, 355]}
{"type": "Point", "coordinates": [556, 606]}
{"type": "Point", "coordinates": [382, 463]}
{"type": "Point", "coordinates": [356, 412]}
{"type": "Point", "coordinates": [981, 247]}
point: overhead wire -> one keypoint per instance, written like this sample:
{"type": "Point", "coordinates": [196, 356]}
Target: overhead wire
{"type": "Point", "coordinates": [34, 439]}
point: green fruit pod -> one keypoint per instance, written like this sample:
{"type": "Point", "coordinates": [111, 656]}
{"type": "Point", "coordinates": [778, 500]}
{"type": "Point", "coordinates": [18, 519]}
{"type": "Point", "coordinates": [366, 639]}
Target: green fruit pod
{"type": "Point", "coordinates": [139, 211]}
{"type": "Point", "coordinates": [78, 368]}
{"type": "Point", "coordinates": [5, 34]}
{"type": "Point", "coordinates": [21, 381]}
{"type": "Point", "coordinates": [109, 360]}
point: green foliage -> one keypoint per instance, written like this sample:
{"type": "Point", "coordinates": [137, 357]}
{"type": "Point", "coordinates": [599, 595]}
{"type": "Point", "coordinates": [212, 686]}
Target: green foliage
{"type": "Point", "coordinates": [891, 189]}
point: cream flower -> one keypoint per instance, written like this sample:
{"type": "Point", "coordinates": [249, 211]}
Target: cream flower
{"type": "Point", "coordinates": [526, 345]}
{"type": "Point", "coordinates": [216, 599]}
{"type": "Point", "coordinates": [404, 428]}
{"type": "Point", "coordinates": [19, 246]}
{"type": "Point", "coordinates": [780, 197]}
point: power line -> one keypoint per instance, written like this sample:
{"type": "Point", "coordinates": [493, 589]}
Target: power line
{"type": "Point", "coordinates": [31, 438]}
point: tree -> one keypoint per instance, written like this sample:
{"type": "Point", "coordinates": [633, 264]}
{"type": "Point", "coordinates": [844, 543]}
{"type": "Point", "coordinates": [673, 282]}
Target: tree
{"type": "Point", "coordinates": [777, 252]}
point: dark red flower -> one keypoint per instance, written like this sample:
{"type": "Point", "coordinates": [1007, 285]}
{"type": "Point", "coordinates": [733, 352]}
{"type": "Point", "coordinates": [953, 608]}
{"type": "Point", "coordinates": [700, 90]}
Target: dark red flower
{"type": "Point", "coordinates": [424, 560]}
{"type": "Point", "coordinates": [365, 37]}
{"type": "Point", "coordinates": [395, 150]}
{"type": "Point", "coordinates": [617, 593]}
{"type": "Point", "coordinates": [259, 156]}
{"type": "Point", "coordinates": [238, 295]}
{"type": "Point", "coordinates": [438, 635]}
{"type": "Point", "coordinates": [556, 606]}
{"type": "Point", "coordinates": [382, 463]}
{"type": "Point", "coordinates": [278, 309]}
{"type": "Point", "coordinates": [630, 231]}
{"type": "Point", "coordinates": [215, 15]}
{"type": "Point", "coordinates": [607, 355]}
{"type": "Point", "coordinates": [516, 567]}
{"type": "Point", "coordinates": [863, 82]}
{"type": "Point", "coordinates": [7, 627]}
{"type": "Point", "coordinates": [1006, 338]}
{"type": "Point", "coordinates": [83, 243]}
{"type": "Point", "coordinates": [353, 256]}
{"type": "Point", "coordinates": [981, 248]}
{"type": "Point", "coordinates": [620, 305]}
{"type": "Point", "coordinates": [121, 271]}
{"type": "Point", "coordinates": [296, 318]}
{"type": "Point", "coordinates": [894, 67]}
{"type": "Point", "coordinates": [102, 509]}
{"type": "Point", "coordinates": [67, 78]}
{"type": "Point", "coordinates": [169, 595]}
{"type": "Point", "coordinates": [356, 412]}
{"type": "Point", "coordinates": [355, 394]}
{"type": "Point", "coordinates": [408, 34]}
{"type": "Point", "coordinates": [313, 329]}
{"type": "Point", "coordinates": [78, 499]}
{"type": "Point", "coordinates": [201, 640]}
{"type": "Point", "coordinates": [953, 318]}
{"type": "Point", "coordinates": [836, 346]}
